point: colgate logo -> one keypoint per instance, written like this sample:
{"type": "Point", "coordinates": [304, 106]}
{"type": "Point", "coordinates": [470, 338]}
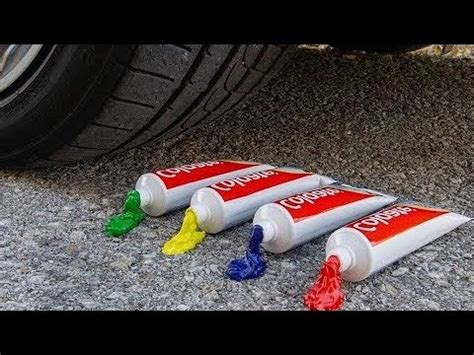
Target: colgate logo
{"type": "Point", "coordinates": [295, 202]}
{"type": "Point", "coordinates": [370, 223]}
{"type": "Point", "coordinates": [172, 172]}
{"type": "Point", "coordinates": [227, 185]}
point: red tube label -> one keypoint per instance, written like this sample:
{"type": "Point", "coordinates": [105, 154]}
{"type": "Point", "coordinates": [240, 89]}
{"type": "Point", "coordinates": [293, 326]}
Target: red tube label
{"type": "Point", "coordinates": [186, 174]}
{"type": "Point", "coordinates": [314, 202]}
{"type": "Point", "coordinates": [248, 184]}
{"type": "Point", "coordinates": [386, 224]}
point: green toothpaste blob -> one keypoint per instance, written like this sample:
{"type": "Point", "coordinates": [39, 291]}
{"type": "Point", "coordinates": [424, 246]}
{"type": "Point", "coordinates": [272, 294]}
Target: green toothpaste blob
{"type": "Point", "coordinates": [130, 218]}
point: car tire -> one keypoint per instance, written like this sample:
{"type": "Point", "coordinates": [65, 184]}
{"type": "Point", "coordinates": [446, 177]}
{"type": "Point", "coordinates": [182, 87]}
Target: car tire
{"type": "Point", "coordinates": [80, 102]}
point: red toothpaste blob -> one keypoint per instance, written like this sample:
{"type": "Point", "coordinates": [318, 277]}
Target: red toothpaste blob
{"type": "Point", "coordinates": [326, 293]}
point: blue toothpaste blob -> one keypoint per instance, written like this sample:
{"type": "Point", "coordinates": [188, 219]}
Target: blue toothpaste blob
{"type": "Point", "coordinates": [252, 265]}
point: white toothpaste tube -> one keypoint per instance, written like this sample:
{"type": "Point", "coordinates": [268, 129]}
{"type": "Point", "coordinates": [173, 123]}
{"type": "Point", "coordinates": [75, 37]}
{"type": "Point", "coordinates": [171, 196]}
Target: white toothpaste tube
{"type": "Point", "coordinates": [170, 189]}
{"type": "Point", "coordinates": [300, 218]}
{"type": "Point", "coordinates": [367, 245]}
{"type": "Point", "coordinates": [375, 241]}
{"type": "Point", "coordinates": [234, 201]}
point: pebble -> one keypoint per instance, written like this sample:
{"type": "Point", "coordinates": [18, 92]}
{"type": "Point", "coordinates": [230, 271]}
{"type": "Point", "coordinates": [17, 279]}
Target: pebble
{"type": "Point", "coordinates": [189, 278]}
{"type": "Point", "coordinates": [400, 271]}
{"type": "Point", "coordinates": [114, 295]}
{"type": "Point", "coordinates": [288, 265]}
{"type": "Point", "coordinates": [120, 265]}
{"type": "Point", "coordinates": [435, 275]}
{"type": "Point", "coordinates": [5, 222]}
{"type": "Point", "coordinates": [214, 268]}
{"type": "Point", "coordinates": [428, 255]}
{"type": "Point", "coordinates": [429, 304]}
{"type": "Point", "coordinates": [392, 290]}
{"type": "Point", "coordinates": [36, 279]}
{"type": "Point", "coordinates": [89, 304]}
{"type": "Point", "coordinates": [77, 235]}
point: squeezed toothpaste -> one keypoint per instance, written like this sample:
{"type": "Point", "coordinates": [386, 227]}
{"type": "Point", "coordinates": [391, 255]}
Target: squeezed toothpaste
{"type": "Point", "coordinates": [166, 190]}
{"type": "Point", "coordinates": [297, 219]}
{"type": "Point", "coordinates": [367, 245]}
{"type": "Point", "coordinates": [234, 201]}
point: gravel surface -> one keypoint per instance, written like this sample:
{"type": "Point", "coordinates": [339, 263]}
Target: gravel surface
{"type": "Point", "coordinates": [399, 124]}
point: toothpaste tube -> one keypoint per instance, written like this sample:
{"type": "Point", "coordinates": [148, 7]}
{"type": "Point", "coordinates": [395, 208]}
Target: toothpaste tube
{"type": "Point", "coordinates": [367, 245]}
{"type": "Point", "coordinates": [234, 201]}
{"type": "Point", "coordinates": [282, 225]}
{"type": "Point", "coordinates": [166, 190]}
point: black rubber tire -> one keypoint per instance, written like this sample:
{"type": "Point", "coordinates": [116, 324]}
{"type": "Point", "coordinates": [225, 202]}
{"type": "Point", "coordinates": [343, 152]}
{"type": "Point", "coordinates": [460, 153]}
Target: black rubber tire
{"type": "Point", "coordinates": [381, 48]}
{"type": "Point", "coordinates": [85, 101]}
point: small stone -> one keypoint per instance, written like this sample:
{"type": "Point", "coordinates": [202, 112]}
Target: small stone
{"type": "Point", "coordinates": [400, 271]}
{"type": "Point", "coordinates": [94, 206]}
{"type": "Point", "coordinates": [149, 256]}
{"type": "Point", "coordinates": [36, 279]}
{"type": "Point", "coordinates": [182, 307]}
{"type": "Point", "coordinates": [443, 283]}
{"type": "Point", "coordinates": [120, 265]}
{"type": "Point", "coordinates": [428, 255]}
{"type": "Point", "coordinates": [23, 269]}
{"type": "Point", "coordinates": [214, 267]}
{"type": "Point", "coordinates": [288, 265]}
{"type": "Point", "coordinates": [189, 278]}
{"type": "Point", "coordinates": [105, 201]}
{"type": "Point", "coordinates": [429, 304]}
{"type": "Point", "coordinates": [5, 222]}
{"type": "Point", "coordinates": [435, 275]}
{"type": "Point", "coordinates": [123, 263]}
{"type": "Point", "coordinates": [101, 214]}
{"type": "Point", "coordinates": [213, 295]}
{"type": "Point", "coordinates": [114, 295]}
{"type": "Point", "coordinates": [88, 304]}
{"type": "Point", "coordinates": [467, 255]}
{"type": "Point", "coordinates": [392, 290]}
{"type": "Point", "coordinates": [77, 235]}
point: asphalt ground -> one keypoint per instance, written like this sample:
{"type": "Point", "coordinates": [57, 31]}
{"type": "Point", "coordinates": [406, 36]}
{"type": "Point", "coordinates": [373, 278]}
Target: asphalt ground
{"type": "Point", "coordinates": [398, 124]}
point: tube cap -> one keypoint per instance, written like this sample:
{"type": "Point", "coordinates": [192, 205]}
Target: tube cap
{"type": "Point", "coordinates": [345, 256]}
{"type": "Point", "coordinates": [146, 197]}
{"type": "Point", "coordinates": [269, 230]}
{"type": "Point", "coordinates": [202, 212]}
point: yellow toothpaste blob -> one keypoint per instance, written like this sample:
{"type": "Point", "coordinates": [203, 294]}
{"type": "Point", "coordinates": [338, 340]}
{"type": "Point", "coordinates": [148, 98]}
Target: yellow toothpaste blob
{"type": "Point", "coordinates": [187, 238]}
